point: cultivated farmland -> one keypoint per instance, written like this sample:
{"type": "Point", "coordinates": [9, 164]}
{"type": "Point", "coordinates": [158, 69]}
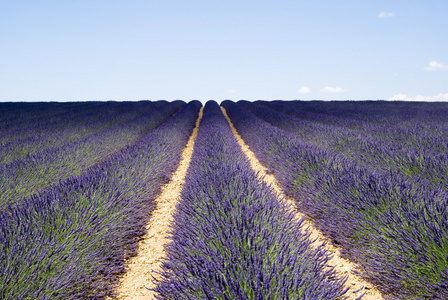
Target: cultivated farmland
{"type": "Point", "coordinates": [79, 187]}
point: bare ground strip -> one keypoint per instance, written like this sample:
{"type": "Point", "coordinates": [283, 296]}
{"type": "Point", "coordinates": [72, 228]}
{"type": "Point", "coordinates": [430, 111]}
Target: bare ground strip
{"type": "Point", "coordinates": [342, 266]}
{"type": "Point", "coordinates": [142, 267]}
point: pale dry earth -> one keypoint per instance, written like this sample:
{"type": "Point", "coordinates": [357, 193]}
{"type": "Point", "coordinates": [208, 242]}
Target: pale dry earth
{"type": "Point", "coordinates": [145, 265]}
{"type": "Point", "coordinates": [342, 266]}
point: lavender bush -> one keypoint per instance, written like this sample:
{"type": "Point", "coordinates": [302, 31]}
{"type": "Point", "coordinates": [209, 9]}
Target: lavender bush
{"type": "Point", "coordinates": [28, 138]}
{"type": "Point", "coordinates": [413, 148]}
{"type": "Point", "coordinates": [394, 226]}
{"type": "Point", "coordinates": [34, 172]}
{"type": "Point", "coordinates": [70, 240]}
{"type": "Point", "coordinates": [232, 238]}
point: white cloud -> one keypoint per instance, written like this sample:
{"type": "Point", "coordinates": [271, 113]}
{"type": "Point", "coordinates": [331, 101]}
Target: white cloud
{"type": "Point", "coordinates": [399, 97]}
{"type": "Point", "coordinates": [337, 89]}
{"type": "Point", "coordinates": [384, 14]}
{"type": "Point", "coordinates": [436, 66]}
{"type": "Point", "coordinates": [404, 97]}
{"type": "Point", "coordinates": [304, 90]}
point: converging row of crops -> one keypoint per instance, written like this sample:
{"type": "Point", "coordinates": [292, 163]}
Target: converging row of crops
{"type": "Point", "coordinates": [371, 175]}
{"type": "Point", "coordinates": [78, 183]}
{"type": "Point", "coordinates": [70, 239]}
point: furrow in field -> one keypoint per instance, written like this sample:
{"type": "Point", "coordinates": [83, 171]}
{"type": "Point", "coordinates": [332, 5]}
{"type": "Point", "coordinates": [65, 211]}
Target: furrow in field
{"type": "Point", "coordinates": [143, 267]}
{"type": "Point", "coordinates": [341, 265]}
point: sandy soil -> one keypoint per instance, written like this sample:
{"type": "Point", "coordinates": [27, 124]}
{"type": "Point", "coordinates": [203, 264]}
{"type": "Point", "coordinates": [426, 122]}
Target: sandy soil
{"type": "Point", "coordinates": [141, 268]}
{"type": "Point", "coordinates": [342, 266]}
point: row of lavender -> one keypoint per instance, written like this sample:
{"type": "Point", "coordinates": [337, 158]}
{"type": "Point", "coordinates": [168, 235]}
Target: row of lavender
{"type": "Point", "coordinates": [232, 238]}
{"type": "Point", "coordinates": [380, 112]}
{"type": "Point", "coordinates": [31, 136]}
{"type": "Point", "coordinates": [394, 226]}
{"type": "Point", "coordinates": [70, 240]}
{"type": "Point", "coordinates": [416, 146]}
{"type": "Point", "coordinates": [21, 114]}
{"type": "Point", "coordinates": [28, 123]}
{"type": "Point", "coordinates": [71, 154]}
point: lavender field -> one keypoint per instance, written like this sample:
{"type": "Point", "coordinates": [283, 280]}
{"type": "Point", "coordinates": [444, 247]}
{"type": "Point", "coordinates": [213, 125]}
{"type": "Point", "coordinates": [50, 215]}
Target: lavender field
{"type": "Point", "coordinates": [78, 183]}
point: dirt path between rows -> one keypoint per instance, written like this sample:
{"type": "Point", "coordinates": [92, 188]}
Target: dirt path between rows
{"type": "Point", "coordinates": [142, 267]}
{"type": "Point", "coordinates": [342, 266]}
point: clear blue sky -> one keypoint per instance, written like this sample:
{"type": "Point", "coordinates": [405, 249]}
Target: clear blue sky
{"type": "Point", "coordinates": [170, 49]}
